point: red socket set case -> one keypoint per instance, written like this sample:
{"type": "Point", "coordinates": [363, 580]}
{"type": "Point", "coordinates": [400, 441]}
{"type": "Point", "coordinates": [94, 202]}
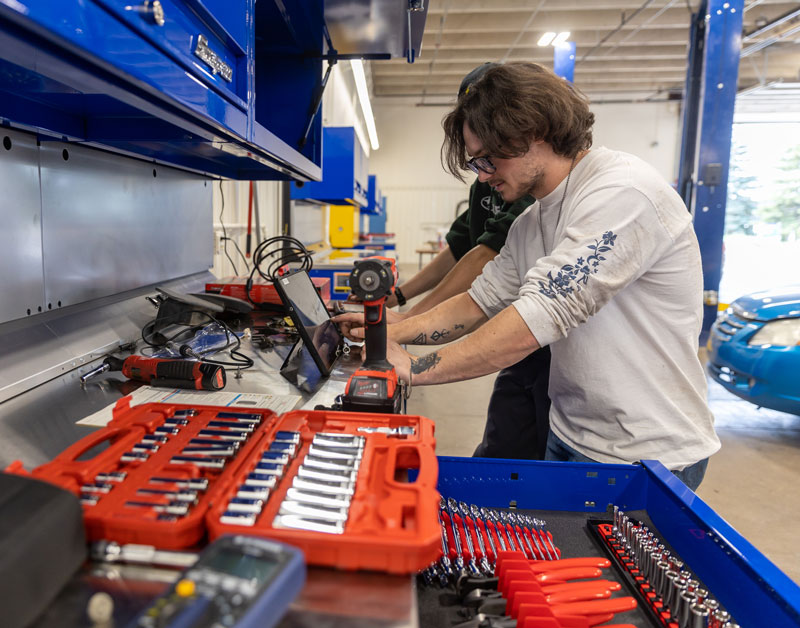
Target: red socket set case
{"type": "Point", "coordinates": [334, 484]}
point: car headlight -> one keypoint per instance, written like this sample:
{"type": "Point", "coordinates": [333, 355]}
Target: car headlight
{"type": "Point", "coordinates": [783, 333]}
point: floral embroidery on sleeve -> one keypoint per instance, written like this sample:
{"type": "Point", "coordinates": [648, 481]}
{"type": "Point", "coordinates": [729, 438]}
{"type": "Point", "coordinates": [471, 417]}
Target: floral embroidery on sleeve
{"type": "Point", "coordinates": [571, 276]}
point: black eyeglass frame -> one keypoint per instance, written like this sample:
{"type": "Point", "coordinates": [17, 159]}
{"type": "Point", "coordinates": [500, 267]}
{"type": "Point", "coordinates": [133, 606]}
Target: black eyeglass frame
{"type": "Point", "coordinates": [481, 164]}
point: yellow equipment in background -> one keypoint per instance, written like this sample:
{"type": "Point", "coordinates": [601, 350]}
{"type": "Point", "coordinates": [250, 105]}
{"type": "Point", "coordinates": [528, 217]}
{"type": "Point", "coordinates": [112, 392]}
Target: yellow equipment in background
{"type": "Point", "coordinates": [343, 227]}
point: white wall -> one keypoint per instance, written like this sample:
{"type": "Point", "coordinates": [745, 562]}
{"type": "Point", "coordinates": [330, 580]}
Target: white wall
{"type": "Point", "coordinates": [648, 130]}
{"type": "Point", "coordinates": [421, 195]}
{"type": "Point", "coordinates": [233, 215]}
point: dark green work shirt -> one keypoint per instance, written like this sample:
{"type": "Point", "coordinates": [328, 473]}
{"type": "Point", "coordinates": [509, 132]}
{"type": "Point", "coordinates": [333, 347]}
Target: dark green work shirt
{"type": "Point", "coordinates": [486, 220]}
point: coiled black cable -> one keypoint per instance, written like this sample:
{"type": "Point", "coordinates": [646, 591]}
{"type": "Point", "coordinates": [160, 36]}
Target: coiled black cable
{"type": "Point", "coordinates": [275, 253]}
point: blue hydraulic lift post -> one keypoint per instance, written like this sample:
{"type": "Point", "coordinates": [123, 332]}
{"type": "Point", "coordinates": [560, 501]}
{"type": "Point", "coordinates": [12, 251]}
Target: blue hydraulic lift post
{"type": "Point", "coordinates": [564, 60]}
{"type": "Point", "coordinates": [721, 45]}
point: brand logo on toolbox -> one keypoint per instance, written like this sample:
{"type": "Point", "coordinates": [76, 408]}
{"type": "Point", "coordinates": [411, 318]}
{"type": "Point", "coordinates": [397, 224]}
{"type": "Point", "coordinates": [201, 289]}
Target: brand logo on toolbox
{"type": "Point", "coordinates": [212, 59]}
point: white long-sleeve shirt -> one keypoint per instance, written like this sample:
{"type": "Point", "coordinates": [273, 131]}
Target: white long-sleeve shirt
{"type": "Point", "coordinates": [615, 289]}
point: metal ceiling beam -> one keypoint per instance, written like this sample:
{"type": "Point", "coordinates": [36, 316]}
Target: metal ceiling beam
{"type": "Point", "coordinates": [458, 70]}
{"type": "Point", "coordinates": [469, 52]}
{"type": "Point", "coordinates": [483, 37]}
{"type": "Point", "coordinates": [503, 6]}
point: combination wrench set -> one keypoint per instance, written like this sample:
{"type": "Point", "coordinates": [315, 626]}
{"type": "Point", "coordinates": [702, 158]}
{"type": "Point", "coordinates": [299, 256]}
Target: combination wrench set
{"type": "Point", "coordinates": [345, 495]}
{"type": "Point", "coordinates": [472, 537]}
{"type": "Point", "coordinates": [320, 494]}
{"type": "Point", "coordinates": [670, 592]}
{"type": "Point", "coordinates": [352, 490]}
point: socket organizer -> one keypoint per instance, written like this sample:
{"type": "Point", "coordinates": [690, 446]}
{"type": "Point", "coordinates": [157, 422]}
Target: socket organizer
{"type": "Point", "coordinates": [672, 595]}
{"type": "Point", "coordinates": [155, 471]}
{"type": "Point", "coordinates": [352, 490]}
{"type": "Point", "coordinates": [336, 485]}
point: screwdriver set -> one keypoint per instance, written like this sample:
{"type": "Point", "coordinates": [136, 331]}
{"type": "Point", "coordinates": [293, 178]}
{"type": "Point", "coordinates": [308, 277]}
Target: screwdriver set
{"type": "Point", "coordinates": [667, 589]}
{"type": "Point", "coordinates": [529, 593]}
{"type": "Point", "coordinates": [334, 484]}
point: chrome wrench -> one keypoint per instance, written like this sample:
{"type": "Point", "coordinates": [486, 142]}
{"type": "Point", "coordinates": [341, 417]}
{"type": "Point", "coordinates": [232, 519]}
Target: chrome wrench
{"type": "Point", "coordinates": [547, 539]}
{"type": "Point", "coordinates": [477, 515]}
{"type": "Point", "coordinates": [484, 562]}
{"type": "Point", "coordinates": [540, 542]}
{"type": "Point", "coordinates": [459, 559]}
{"type": "Point", "coordinates": [516, 524]}
{"type": "Point", "coordinates": [487, 517]}
{"type": "Point", "coordinates": [452, 507]}
{"type": "Point", "coordinates": [501, 528]}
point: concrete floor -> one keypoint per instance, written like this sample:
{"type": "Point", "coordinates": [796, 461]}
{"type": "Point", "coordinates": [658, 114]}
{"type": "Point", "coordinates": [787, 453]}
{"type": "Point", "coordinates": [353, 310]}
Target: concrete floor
{"type": "Point", "coordinates": [750, 482]}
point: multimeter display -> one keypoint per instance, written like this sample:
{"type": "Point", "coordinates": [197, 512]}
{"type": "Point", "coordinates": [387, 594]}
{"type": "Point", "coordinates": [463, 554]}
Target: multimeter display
{"type": "Point", "coordinates": [237, 582]}
{"type": "Point", "coordinates": [245, 566]}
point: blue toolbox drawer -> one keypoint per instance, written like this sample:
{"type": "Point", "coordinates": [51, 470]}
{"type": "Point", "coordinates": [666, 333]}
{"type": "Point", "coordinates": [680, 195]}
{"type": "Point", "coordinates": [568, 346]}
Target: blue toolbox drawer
{"type": "Point", "coordinates": [751, 588]}
{"type": "Point", "coordinates": [202, 50]}
{"type": "Point", "coordinates": [101, 69]}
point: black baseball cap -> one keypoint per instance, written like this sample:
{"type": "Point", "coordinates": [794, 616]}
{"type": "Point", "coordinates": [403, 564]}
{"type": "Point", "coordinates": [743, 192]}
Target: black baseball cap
{"type": "Point", "coordinates": [474, 75]}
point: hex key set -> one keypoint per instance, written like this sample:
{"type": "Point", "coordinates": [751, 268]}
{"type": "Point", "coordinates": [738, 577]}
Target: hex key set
{"type": "Point", "coordinates": [352, 490]}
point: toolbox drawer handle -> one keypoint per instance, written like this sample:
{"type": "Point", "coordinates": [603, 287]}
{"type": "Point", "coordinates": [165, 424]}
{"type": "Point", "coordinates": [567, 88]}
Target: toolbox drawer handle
{"type": "Point", "coordinates": [152, 10]}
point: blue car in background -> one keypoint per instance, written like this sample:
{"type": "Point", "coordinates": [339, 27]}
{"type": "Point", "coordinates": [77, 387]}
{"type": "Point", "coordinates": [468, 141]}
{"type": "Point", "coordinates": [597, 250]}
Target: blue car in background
{"type": "Point", "coordinates": [755, 349]}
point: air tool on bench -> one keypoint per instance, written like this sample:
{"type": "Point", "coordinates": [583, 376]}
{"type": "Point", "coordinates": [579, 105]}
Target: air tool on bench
{"type": "Point", "coordinates": [374, 386]}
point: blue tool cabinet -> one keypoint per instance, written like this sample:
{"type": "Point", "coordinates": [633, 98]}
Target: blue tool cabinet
{"type": "Point", "coordinates": [344, 165]}
{"type": "Point", "coordinates": [224, 88]}
{"type": "Point", "coordinates": [374, 206]}
{"type": "Point", "coordinates": [750, 587]}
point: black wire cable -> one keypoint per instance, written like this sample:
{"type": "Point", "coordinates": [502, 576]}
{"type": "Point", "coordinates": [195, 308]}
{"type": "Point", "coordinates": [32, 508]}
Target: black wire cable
{"type": "Point", "coordinates": [224, 232]}
{"type": "Point", "coordinates": [238, 359]}
{"type": "Point", "coordinates": [274, 253]}
{"type": "Point", "coordinates": [239, 250]}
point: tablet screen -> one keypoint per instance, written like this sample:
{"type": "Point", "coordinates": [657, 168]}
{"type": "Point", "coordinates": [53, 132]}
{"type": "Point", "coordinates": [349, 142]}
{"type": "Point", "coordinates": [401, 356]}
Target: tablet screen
{"type": "Point", "coordinates": [311, 318]}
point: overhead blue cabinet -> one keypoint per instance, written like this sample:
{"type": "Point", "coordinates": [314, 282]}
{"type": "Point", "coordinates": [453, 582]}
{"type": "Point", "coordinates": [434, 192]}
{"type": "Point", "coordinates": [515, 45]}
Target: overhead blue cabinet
{"type": "Point", "coordinates": [344, 171]}
{"type": "Point", "coordinates": [374, 206]}
{"type": "Point", "coordinates": [377, 222]}
{"type": "Point", "coordinates": [224, 88]}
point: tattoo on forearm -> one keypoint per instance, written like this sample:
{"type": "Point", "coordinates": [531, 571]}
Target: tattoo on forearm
{"type": "Point", "coordinates": [457, 326]}
{"type": "Point", "coordinates": [424, 363]}
{"type": "Point", "coordinates": [436, 336]}
{"type": "Point", "coordinates": [419, 340]}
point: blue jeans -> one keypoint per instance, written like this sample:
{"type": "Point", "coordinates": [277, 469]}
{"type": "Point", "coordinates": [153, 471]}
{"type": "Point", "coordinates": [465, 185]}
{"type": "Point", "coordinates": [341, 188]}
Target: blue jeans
{"type": "Point", "coordinates": [559, 451]}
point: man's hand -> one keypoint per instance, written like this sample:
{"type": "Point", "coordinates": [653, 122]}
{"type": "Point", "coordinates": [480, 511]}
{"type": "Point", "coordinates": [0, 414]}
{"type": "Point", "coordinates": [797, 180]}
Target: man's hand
{"type": "Point", "coordinates": [352, 323]}
{"type": "Point", "coordinates": [400, 359]}
{"type": "Point", "coordinates": [393, 317]}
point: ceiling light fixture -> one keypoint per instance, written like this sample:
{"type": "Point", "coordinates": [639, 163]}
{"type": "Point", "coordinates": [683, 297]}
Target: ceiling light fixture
{"type": "Point", "coordinates": [545, 39]}
{"type": "Point", "coordinates": [561, 38]}
{"type": "Point", "coordinates": [363, 97]}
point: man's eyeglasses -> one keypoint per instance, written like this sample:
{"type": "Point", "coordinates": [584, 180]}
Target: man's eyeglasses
{"type": "Point", "coordinates": [481, 164]}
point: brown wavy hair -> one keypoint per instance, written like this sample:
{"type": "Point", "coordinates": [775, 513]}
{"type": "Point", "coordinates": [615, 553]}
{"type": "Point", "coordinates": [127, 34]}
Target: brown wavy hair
{"type": "Point", "coordinates": [510, 106]}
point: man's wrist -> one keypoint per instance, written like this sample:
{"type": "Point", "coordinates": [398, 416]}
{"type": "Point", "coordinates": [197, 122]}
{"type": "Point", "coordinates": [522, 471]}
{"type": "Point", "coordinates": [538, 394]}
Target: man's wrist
{"type": "Point", "coordinates": [401, 299]}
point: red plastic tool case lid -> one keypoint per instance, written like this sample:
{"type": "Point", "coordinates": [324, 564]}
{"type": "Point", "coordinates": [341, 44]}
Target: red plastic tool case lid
{"type": "Point", "coordinates": [392, 523]}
